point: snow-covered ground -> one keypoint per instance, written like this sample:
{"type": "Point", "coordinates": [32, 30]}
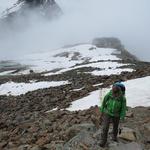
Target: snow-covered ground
{"type": "Point", "coordinates": [111, 71]}
{"type": "Point", "coordinates": [107, 67]}
{"type": "Point", "coordinates": [67, 57]}
{"type": "Point", "coordinates": [6, 72]}
{"type": "Point", "coordinates": [137, 94]}
{"type": "Point", "coordinates": [6, 4]}
{"type": "Point", "coordinates": [12, 88]}
{"type": "Point", "coordinates": [70, 58]}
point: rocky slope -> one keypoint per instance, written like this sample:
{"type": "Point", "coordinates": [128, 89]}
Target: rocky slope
{"type": "Point", "coordinates": [24, 12]}
{"type": "Point", "coordinates": [30, 121]}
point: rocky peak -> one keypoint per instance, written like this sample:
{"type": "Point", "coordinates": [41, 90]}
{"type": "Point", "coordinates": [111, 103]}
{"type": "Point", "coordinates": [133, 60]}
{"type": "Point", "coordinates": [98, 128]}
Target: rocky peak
{"type": "Point", "coordinates": [108, 42]}
{"type": "Point", "coordinates": [115, 43]}
{"type": "Point", "coordinates": [23, 9]}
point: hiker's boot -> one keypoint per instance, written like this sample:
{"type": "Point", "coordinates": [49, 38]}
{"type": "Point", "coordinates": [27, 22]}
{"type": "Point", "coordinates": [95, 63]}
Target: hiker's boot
{"type": "Point", "coordinates": [114, 138]}
{"type": "Point", "coordinates": [102, 143]}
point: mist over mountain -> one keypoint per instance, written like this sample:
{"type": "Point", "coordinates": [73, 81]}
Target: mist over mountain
{"type": "Point", "coordinates": [82, 20]}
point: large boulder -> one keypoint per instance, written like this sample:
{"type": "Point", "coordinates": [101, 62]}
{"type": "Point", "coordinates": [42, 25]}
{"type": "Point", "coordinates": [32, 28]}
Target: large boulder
{"type": "Point", "coordinates": [83, 140]}
{"type": "Point", "coordinates": [115, 43]}
{"type": "Point", "coordinates": [108, 43]}
{"type": "Point", "coordinates": [128, 134]}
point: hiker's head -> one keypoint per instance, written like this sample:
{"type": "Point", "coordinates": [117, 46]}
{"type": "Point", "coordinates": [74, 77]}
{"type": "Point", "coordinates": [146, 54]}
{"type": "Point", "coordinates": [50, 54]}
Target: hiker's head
{"type": "Point", "coordinates": [116, 91]}
{"type": "Point", "coordinates": [122, 87]}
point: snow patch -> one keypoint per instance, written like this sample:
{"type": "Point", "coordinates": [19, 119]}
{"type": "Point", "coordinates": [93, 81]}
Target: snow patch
{"type": "Point", "coordinates": [104, 66]}
{"type": "Point", "coordinates": [94, 98]}
{"type": "Point", "coordinates": [78, 89]}
{"type": "Point", "coordinates": [6, 72]}
{"type": "Point", "coordinates": [48, 61]}
{"type": "Point", "coordinates": [12, 88]}
{"type": "Point", "coordinates": [137, 94]}
{"type": "Point", "coordinates": [6, 4]}
{"type": "Point", "coordinates": [112, 71]}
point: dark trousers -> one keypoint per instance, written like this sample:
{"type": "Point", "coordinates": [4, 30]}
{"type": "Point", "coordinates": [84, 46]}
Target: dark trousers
{"type": "Point", "coordinates": [106, 120]}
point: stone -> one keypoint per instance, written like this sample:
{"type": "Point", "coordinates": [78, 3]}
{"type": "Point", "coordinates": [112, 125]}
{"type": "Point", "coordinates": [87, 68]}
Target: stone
{"type": "Point", "coordinates": [83, 139]}
{"type": "Point", "coordinates": [129, 114]}
{"type": "Point", "coordinates": [2, 145]}
{"type": "Point", "coordinates": [127, 134]}
{"type": "Point", "coordinates": [36, 148]}
{"type": "Point", "coordinates": [24, 147]}
{"type": "Point", "coordinates": [147, 126]}
{"type": "Point", "coordinates": [58, 145]}
{"type": "Point", "coordinates": [96, 121]}
{"type": "Point", "coordinates": [74, 130]}
{"type": "Point", "coordinates": [130, 146]}
{"type": "Point", "coordinates": [42, 141]}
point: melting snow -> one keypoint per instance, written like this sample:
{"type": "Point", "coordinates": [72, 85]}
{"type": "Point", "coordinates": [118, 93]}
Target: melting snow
{"type": "Point", "coordinates": [6, 72]}
{"type": "Point", "coordinates": [55, 59]}
{"type": "Point", "coordinates": [137, 94]}
{"type": "Point", "coordinates": [99, 65]}
{"type": "Point", "coordinates": [111, 71]}
{"type": "Point", "coordinates": [12, 88]}
{"type": "Point", "coordinates": [70, 58]}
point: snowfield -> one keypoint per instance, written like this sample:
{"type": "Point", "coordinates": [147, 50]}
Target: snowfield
{"type": "Point", "coordinates": [6, 72]}
{"type": "Point", "coordinates": [6, 4]}
{"type": "Point", "coordinates": [137, 94]}
{"type": "Point", "coordinates": [66, 59]}
{"type": "Point", "coordinates": [12, 88]}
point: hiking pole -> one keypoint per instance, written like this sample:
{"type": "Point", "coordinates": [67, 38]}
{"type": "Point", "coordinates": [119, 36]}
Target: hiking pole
{"type": "Point", "coordinates": [101, 100]}
{"type": "Point", "coordinates": [120, 128]}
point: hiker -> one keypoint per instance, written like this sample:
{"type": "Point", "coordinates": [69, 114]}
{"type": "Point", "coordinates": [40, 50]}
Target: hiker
{"type": "Point", "coordinates": [113, 109]}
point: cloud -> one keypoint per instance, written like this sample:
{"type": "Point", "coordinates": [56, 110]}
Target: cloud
{"type": "Point", "coordinates": [83, 20]}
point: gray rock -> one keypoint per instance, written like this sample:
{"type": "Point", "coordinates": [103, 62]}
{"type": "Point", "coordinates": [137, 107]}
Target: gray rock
{"type": "Point", "coordinates": [130, 114]}
{"type": "Point", "coordinates": [85, 126]}
{"type": "Point", "coordinates": [128, 134]}
{"type": "Point", "coordinates": [83, 139]}
{"type": "Point", "coordinates": [130, 146]}
{"type": "Point", "coordinates": [74, 130]}
{"type": "Point", "coordinates": [147, 127]}
{"type": "Point", "coordinates": [54, 145]}
{"type": "Point", "coordinates": [35, 148]}
{"type": "Point", "coordinates": [108, 43]}
{"type": "Point", "coordinates": [25, 147]}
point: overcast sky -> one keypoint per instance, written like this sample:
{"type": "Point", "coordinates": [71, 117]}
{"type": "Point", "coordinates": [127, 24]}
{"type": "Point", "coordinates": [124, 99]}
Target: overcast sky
{"type": "Point", "coordinates": [82, 21]}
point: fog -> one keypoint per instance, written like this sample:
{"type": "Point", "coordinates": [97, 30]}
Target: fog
{"type": "Point", "coordinates": [83, 20]}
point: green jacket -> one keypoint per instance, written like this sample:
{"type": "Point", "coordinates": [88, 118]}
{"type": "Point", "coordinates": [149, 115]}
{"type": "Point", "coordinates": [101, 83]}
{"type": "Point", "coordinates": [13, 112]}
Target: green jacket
{"type": "Point", "coordinates": [114, 106]}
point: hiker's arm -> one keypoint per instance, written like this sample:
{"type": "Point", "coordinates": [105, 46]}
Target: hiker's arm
{"type": "Point", "coordinates": [123, 109]}
{"type": "Point", "coordinates": [103, 103]}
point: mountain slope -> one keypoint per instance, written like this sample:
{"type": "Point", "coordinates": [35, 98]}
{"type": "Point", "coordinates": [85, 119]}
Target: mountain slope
{"type": "Point", "coordinates": [22, 12]}
{"type": "Point", "coordinates": [38, 92]}
{"type": "Point", "coordinates": [104, 61]}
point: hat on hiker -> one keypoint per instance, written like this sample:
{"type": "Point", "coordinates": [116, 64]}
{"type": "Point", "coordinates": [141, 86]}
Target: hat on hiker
{"type": "Point", "coordinates": [121, 85]}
